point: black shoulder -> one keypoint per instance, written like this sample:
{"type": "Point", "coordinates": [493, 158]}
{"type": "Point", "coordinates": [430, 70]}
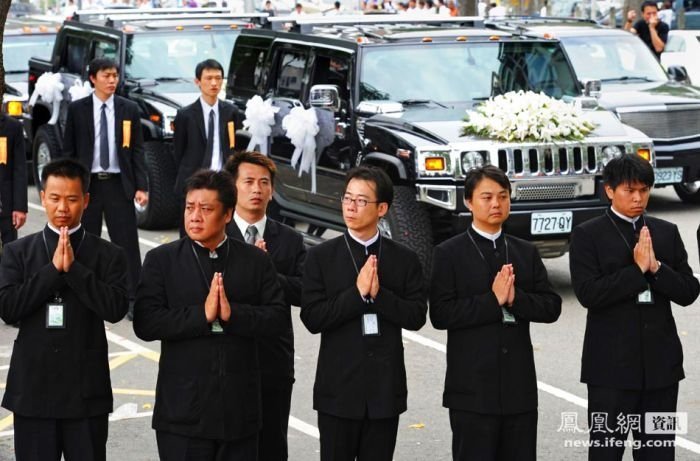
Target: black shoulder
{"type": "Point", "coordinates": [454, 242]}
{"type": "Point", "coordinates": [287, 232]}
{"type": "Point", "coordinates": [327, 247]}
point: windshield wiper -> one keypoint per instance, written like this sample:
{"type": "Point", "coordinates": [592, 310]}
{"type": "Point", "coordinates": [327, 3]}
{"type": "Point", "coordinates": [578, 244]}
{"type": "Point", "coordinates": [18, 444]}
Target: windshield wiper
{"type": "Point", "coordinates": [169, 79]}
{"type": "Point", "coordinates": [627, 77]}
{"type": "Point", "coordinates": [415, 102]}
{"type": "Point", "coordinates": [11, 72]}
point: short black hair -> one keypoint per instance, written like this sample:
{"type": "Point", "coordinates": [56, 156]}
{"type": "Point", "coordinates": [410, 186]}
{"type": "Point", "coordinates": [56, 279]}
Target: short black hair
{"type": "Point", "coordinates": [648, 3]}
{"type": "Point", "coordinates": [256, 158]}
{"type": "Point", "coordinates": [476, 175]}
{"type": "Point", "coordinates": [336, 4]}
{"type": "Point", "coordinates": [219, 181]}
{"type": "Point", "coordinates": [99, 64]}
{"type": "Point", "coordinates": [628, 169]}
{"type": "Point", "coordinates": [383, 186]}
{"type": "Point", "coordinates": [66, 168]}
{"type": "Point", "coordinates": [208, 64]}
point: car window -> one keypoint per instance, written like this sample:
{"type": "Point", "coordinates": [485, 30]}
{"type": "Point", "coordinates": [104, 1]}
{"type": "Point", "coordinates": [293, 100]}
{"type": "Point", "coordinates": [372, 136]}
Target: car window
{"type": "Point", "coordinates": [17, 49]}
{"type": "Point", "coordinates": [104, 49]}
{"type": "Point", "coordinates": [247, 67]}
{"type": "Point", "coordinates": [290, 74]}
{"type": "Point", "coordinates": [674, 44]}
{"type": "Point", "coordinates": [75, 51]}
{"type": "Point", "coordinates": [332, 70]}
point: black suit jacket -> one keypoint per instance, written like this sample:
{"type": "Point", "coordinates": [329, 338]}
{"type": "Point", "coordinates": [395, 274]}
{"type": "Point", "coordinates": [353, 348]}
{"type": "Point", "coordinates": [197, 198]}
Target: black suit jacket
{"type": "Point", "coordinates": [61, 373]}
{"type": "Point", "coordinates": [629, 345]}
{"type": "Point", "coordinates": [13, 173]}
{"type": "Point", "coordinates": [490, 366]}
{"type": "Point", "coordinates": [190, 139]}
{"type": "Point", "coordinates": [361, 375]}
{"type": "Point", "coordinates": [208, 384]}
{"type": "Point", "coordinates": [285, 246]}
{"type": "Point", "coordinates": [79, 140]}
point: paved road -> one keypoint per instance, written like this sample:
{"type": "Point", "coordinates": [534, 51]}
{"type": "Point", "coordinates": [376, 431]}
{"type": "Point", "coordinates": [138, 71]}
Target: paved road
{"type": "Point", "coordinates": [424, 431]}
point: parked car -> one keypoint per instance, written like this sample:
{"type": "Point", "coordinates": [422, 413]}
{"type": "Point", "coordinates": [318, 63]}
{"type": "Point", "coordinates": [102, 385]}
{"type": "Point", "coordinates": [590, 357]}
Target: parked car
{"type": "Point", "coordinates": [157, 51]}
{"type": "Point", "coordinates": [396, 90]}
{"type": "Point", "coordinates": [636, 88]}
{"type": "Point", "coordinates": [683, 49]}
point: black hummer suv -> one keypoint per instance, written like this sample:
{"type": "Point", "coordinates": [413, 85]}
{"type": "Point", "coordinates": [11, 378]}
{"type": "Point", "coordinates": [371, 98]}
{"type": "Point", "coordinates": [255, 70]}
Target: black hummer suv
{"type": "Point", "coordinates": [398, 88]}
{"type": "Point", "coordinates": [157, 52]}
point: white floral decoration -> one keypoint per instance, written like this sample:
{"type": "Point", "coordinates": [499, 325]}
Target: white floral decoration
{"type": "Point", "coordinates": [527, 116]}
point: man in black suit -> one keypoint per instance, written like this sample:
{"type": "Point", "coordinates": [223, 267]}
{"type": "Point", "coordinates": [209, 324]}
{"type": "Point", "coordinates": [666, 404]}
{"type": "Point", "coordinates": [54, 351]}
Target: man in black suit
{"type": "Point", "coordinates": [13, 178]}
{"type": "Point", "coordinates": [208, 298]}
{"type": "Point", "coordinates": [62, 284]}
{"type": "Point", "coordinates": [205, 131]}
{"type": "Point", "coordinates": [626, 269]}
{"type": "Point", "coordinates": [486, 289]}
{"type": "Point", "coordinates": [359, 290]}
{"type": "Point", "coordinates": [254, 177]}
{"type": "Point", "coordinates": [103, 132]}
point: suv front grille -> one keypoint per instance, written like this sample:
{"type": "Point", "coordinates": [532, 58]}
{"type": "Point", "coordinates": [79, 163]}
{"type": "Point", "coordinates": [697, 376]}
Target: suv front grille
{"type": "Point", "coordinates": [664, 124]}
{"type": "Point", "coordinates": [549, 160]}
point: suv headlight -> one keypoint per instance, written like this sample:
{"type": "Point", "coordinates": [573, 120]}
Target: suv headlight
{"type": "Point", "coordinates": [609, 153]}
{"type": "Point", "coordinates": [471, 160]}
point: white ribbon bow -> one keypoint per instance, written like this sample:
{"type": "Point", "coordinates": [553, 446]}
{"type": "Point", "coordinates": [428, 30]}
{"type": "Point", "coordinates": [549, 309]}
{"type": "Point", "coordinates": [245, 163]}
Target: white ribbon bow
{"type": "Point", "coordinates": [50, 88]}
{"type": "Point", "coordinates": [259, 118]}
{"type": "Point", "coordinates": [301, 126]}
{"type": "Point", "coordinates": [79, 90]}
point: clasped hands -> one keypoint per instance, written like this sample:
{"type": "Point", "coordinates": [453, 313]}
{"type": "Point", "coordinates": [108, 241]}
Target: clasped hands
{"type": "Point", "coordinates": [216, 305]}
{"type": "Point", "coordinates": [504, 286]}
{"type": "Point", "coordinates": [644, 256]}
{"type": "Point", "coordinates": [368, 278]}
{"type": "Point", "coordinates": [63, 257]}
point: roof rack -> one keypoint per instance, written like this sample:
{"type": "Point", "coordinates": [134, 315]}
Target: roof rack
{"type": "Point", "coordinates": [539, 20]}
{"type": "Point", "coordinates": [306, 24]}
{"type": "Point", "coordinates": [117, 19]}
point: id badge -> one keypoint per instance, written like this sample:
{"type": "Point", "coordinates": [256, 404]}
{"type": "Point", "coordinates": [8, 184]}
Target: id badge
{"type": "Point", "coordinates": [645, 297]}
{"type": "Point", "coordinates": [55, 315]}
{"type": "Point", "coordinates": [216, 327]}
{"type": "Point", "coordinates": [508, 318]}
{"type": "Point", "coordinates": [370, 325]}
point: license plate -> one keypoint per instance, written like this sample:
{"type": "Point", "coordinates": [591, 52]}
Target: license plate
{"type": "Point", "coordinates": [668, 175]}
{"type": "Point", "coordinates": [551, 223]}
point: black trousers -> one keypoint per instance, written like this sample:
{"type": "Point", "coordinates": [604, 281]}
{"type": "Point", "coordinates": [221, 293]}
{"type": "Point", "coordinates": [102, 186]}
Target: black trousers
{"type": "Point", "coordinates": [39, 439]}
{"type": "Point", "coordinates": [107, 198]}
{"type": "Point", "coordinates": [174, 447]}
{"type": "Point", "coordinates": [8, 233]}
{"type": "Point", "coordinates": [276, 404]}
{"type": "Point", "coordinates": [480, 437]}
{"type": "Point", "coordinates": [357, 439]}
{"type": "Point", "coordinates": [606, 405]}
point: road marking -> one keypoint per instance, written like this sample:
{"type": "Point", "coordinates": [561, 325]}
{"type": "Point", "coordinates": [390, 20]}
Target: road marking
{"type": "Point", "coordinates": [544, 387]}
{"type": "Point", "coordinates": [121, 360]}
{"type": "Point", "coordinates": [7, 421]}
{"type": "Point", "coordinates": [301, 426]}
{"type": "Point", "coordinates": [4, 367]}
{"type": "Point", "coordinates": [139, 392]}
{"type": "Point", "coordinates": [132, 346]}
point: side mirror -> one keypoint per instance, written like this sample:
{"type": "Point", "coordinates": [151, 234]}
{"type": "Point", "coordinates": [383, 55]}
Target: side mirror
{"type": "Point", "coordinates": [325, 97]}
{"type": "Point", "coordinates": [678, 74]}
{"type": "Point", "coordinates": [592, 88]}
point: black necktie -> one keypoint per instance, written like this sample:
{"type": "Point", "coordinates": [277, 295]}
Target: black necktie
{"type": "Point", "coordinates": [104, 139]}
{"type": "Point", "coordinates": [209, 151]}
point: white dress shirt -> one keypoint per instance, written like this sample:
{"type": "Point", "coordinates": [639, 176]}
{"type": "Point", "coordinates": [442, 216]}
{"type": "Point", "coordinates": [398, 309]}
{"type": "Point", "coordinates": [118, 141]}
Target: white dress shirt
{"type": "Point", "coordinates": [96, 114]}
{"type": "Point", "coordinates": [216, 151]}
{"type": "Point", "coordinates": [243, 225]}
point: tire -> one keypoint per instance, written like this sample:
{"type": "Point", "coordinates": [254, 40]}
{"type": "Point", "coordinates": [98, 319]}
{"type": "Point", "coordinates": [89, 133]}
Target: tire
{"type": "Point", "coordinates": [689, 192]}
{"type": "Point", "coordinates": [408, 223]}
{"type": "Point", "coordinates": [46, 147]}
{"type": "Point", "coordinates": [163, 209]}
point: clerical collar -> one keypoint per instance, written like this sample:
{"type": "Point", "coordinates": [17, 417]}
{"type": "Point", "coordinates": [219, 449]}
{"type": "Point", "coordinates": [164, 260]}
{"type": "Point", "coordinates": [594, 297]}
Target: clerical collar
{"type": "Point", "coordinates": [365, 243]}
{"type": "Point", "coordinates": [58, 231]}
{"type": "Point", "coordinates": [632, 221]}
{"type": "Point", "coordinates": [487, 236]}
{"type": "Point", "coordinates": [242, 224]}
{"type": "Point", "coordinates": [212, 253]}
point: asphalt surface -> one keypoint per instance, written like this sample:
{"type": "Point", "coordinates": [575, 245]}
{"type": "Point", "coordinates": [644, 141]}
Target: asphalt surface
{"type": "Point", "coordinates": [424, 431]}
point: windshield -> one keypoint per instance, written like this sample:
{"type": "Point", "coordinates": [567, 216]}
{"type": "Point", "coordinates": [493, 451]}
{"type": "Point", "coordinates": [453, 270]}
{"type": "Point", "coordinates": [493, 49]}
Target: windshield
{"type": "Point", "coordinates": [174, 55]}
{"type": "Point", "coordinates": [462, 72]}
{"type": "Point", "coordinates": [613, 58]}
{"type": "Point", "coordinates": [17, 49]}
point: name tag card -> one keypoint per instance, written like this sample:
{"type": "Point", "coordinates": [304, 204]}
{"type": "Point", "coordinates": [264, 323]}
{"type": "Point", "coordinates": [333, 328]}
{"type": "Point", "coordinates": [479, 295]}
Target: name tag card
{"type": "Point", "coordinates": [55, 315]}
{"type": "Point", "coordinates": [508, 318]}
{"type": "Point", "coordinates": [645, 297]}
{"type": "Point", "coordinates": [216, 327]}
{"type": "Point", "coordinates": [370, 325]}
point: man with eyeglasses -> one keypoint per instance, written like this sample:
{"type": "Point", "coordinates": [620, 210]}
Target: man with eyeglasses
{"type": "Point", "coordinates": [359, 290]}
{"type": "Point", "coordinates": [205, 131]}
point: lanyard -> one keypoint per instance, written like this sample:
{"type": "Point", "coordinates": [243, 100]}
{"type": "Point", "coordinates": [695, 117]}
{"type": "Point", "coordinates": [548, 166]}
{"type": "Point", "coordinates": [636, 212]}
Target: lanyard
{"type": "Point", "coordinates": [354, 263]}
{"type": "Point", "coordinates": [619, 232]}
{"type": "Point", "coordinates": [505, 240]}
{"type": "Point", "coordinates": [207, 283]}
